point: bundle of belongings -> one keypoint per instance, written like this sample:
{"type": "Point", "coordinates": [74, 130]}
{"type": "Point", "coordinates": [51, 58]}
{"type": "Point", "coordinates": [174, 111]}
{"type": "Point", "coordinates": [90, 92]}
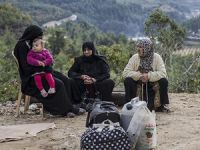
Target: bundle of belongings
{"type": "Point", "coordinates": [107, 129]}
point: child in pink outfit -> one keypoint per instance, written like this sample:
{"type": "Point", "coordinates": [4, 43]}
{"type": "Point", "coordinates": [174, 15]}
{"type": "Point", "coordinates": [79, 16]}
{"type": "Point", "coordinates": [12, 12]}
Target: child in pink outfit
{"type": "Point", "coordinates": [39, 56]}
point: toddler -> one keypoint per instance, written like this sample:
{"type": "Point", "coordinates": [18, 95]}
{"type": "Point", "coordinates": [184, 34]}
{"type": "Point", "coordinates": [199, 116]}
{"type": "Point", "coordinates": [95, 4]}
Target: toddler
{"type": "Point", "coordinates": [39, 56]}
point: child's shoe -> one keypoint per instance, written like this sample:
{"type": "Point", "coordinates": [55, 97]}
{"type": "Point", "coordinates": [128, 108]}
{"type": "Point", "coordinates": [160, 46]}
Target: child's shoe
{"type": "Point", "coordinates": [44, 93]}
{"type": "Point", "coordinates": [51, 91]}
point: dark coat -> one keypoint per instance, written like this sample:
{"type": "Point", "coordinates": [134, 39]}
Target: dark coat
{"type": "Point", "coordinates": [96, 67]}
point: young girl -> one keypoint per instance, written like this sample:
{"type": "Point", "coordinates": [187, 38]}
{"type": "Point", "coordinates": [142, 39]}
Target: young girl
{"type": "Point", "coordinates": [39, 56]}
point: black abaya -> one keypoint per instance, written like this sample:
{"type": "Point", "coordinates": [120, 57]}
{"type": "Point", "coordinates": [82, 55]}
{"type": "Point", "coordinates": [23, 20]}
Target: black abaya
{"type": "Point", "coordinates": [58, 103]}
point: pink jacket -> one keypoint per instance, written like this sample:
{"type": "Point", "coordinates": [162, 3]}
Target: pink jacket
{"type": "Point", "coordinates": [44, 56]}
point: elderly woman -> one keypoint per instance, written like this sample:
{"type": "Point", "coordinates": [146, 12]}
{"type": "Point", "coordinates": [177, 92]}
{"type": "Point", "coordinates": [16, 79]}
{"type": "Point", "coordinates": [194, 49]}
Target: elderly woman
{"type": "Point", "coordinates": [58, 103]}
{"type": "Point", "coordinates": [146, 67]}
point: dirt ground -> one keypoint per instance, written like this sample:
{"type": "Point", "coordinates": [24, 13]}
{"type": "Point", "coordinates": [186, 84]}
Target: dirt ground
{"type": "Point", "coordinates": [177, 130]}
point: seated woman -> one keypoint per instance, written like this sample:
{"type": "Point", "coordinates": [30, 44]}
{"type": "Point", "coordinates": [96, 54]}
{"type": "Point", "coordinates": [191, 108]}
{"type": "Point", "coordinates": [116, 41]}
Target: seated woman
{"type": "Point", "coordinates": [146, 67]}
{"type": "Point", "coordinates": [57, 103]}
{"type": "Point", "coordinates": [90, 72]}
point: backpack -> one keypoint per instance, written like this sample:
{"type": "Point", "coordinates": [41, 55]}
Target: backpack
{"type": "Point", "coordinates": [101, 111]}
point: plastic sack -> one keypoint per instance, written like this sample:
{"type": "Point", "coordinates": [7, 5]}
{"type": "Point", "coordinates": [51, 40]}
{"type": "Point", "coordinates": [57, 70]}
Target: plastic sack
{"type": "Point", "coordinates": [142, 129]}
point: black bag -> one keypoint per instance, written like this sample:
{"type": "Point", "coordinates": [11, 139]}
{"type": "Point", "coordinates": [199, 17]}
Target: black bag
{"type": "Point", "coordinates": [101, 111]}
{"type": "Point", "coordinates": [105, 137]}
{"type": "Point", "coordinates": [90, 96]}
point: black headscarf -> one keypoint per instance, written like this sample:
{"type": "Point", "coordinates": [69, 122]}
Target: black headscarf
{"type": "Point", "coordinates": [31, 33]}
{"type": "Point", "coordinates": [94, 56]}
{"type": "Point", "coordinates": [89, 45]}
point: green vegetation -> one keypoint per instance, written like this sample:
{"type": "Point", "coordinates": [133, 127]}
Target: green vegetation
{"type": "Point", "coordinates": [12, 19]}
{"type": "Point", "coordinates": [108, 15]}
{"type": "Point", "coordinates": [184, 75]}
{"type": "Point", "coordinates": [183, 71]}
{"type": "Point", "coordinates": [159, 27]}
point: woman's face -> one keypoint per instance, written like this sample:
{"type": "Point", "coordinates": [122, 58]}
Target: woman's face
{"type": "Point", "coordinates": [87, 52]}
{"type": "Point", "coordinates": [140, 51]}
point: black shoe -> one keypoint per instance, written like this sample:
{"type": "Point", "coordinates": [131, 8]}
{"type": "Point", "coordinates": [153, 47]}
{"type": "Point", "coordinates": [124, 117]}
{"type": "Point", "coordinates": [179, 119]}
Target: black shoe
{"type": "Point", "coordinates": [78, 111]}
{"type": "Point", "coordinates": [70, 115]}
{"type": "Point", "coordinates": [163, 108]}
{"type": "Point", "coordinates": [83, 105]}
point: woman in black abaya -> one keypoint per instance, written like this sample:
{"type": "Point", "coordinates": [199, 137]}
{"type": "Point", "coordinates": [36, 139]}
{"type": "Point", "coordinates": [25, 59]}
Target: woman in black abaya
{"type": "Point", "coordinates": [58, 103]}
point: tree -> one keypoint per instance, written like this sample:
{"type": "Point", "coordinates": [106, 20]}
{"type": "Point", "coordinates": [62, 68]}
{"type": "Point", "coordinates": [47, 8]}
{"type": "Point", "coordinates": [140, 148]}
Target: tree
{"type": "Point", "coordinates": [159, 27]}
{"type": "Point", "coordinates": [117, 57]}
{"type": "Point", "coordinates": [13, 19]}
{"type": "Point", "coordinates": [57, 41]}
{"type": "Point", "coordinates": [168, 36]}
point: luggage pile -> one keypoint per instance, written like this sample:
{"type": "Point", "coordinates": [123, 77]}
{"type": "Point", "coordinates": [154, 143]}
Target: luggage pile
{"type": "Point", "coordinates": [104, 131]}
{"type": "Point", "coordinates": [135, 128]}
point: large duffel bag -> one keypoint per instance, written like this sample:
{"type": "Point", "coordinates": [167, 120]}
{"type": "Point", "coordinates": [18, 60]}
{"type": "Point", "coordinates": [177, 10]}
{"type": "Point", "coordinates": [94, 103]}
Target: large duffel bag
{"type": "Point", "coordinates": [101, 111]}
{"type": "Point", "coordinates": [105, 137]}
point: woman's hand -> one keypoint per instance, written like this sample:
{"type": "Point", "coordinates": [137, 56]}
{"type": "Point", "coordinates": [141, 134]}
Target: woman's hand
{"type": "Point", "coordinates": [85, 77]}
{"type": "Point", "coordinates": [90, 81]}
{"type": "Point", "coordinates": [144, 77]}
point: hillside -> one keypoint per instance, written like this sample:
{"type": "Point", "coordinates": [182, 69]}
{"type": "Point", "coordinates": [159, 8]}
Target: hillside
{"type": "Point", "coordinates": [108, 15]}
{"type": "Point", "coordinates": [13, 20]}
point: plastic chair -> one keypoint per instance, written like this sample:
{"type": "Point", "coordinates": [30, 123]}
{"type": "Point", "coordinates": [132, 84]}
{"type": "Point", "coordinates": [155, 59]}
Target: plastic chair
{"type": "Point", "coordinates": [26, 97]}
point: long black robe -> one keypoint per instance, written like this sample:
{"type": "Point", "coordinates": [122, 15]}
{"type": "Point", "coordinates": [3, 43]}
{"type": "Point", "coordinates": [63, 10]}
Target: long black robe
{"type": "Point", "coordinates": [58, 103]}
{"type": "Point", "coordinates": [96, 67]}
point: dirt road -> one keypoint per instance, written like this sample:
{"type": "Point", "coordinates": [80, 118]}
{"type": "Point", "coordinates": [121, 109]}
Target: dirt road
{"type": "Point", "coordinates": [178, 130]}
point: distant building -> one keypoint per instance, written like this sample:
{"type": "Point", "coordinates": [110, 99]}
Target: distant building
{"type": "Point", "coordinates": [138, 38]}
{"type": "Point", "coordinates": [52, 24]}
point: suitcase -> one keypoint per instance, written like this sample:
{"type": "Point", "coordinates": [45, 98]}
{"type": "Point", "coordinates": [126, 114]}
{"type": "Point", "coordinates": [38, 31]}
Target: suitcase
{"type": "Point", "coordinates": [101, 111]}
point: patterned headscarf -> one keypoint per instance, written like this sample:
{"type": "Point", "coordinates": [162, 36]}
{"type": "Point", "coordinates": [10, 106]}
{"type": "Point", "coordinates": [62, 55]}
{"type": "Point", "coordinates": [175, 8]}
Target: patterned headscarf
{"type": "Point", "coordinates": [147, 59]}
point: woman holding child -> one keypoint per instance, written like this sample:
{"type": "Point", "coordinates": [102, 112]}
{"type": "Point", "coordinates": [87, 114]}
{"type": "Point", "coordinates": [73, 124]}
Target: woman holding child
{"type": "Point", "coordinates": [57, 102]}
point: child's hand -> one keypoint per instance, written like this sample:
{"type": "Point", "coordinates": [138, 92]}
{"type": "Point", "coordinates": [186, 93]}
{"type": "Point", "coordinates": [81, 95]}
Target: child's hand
{"type": "Point", "coordinates": [41, 64]}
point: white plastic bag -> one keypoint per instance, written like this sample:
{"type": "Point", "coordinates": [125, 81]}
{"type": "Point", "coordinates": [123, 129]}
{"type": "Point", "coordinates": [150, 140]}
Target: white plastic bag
{"type": "Point", "coordinates": [128, 111]}
{"type": "Point", "coordinates": [142, 129]}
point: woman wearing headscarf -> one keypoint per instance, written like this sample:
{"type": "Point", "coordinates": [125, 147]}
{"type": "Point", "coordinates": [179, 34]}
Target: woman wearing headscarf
{"type": "Point", "coordinates": [58, 103]}
{"type": "Point", "coordinates": [146, 67]}
{"type": "Point", "coordinates": [90, 73]}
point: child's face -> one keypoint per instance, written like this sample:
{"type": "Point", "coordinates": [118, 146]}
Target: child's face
{"type": "Point", "coordinates": [37, 46]}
